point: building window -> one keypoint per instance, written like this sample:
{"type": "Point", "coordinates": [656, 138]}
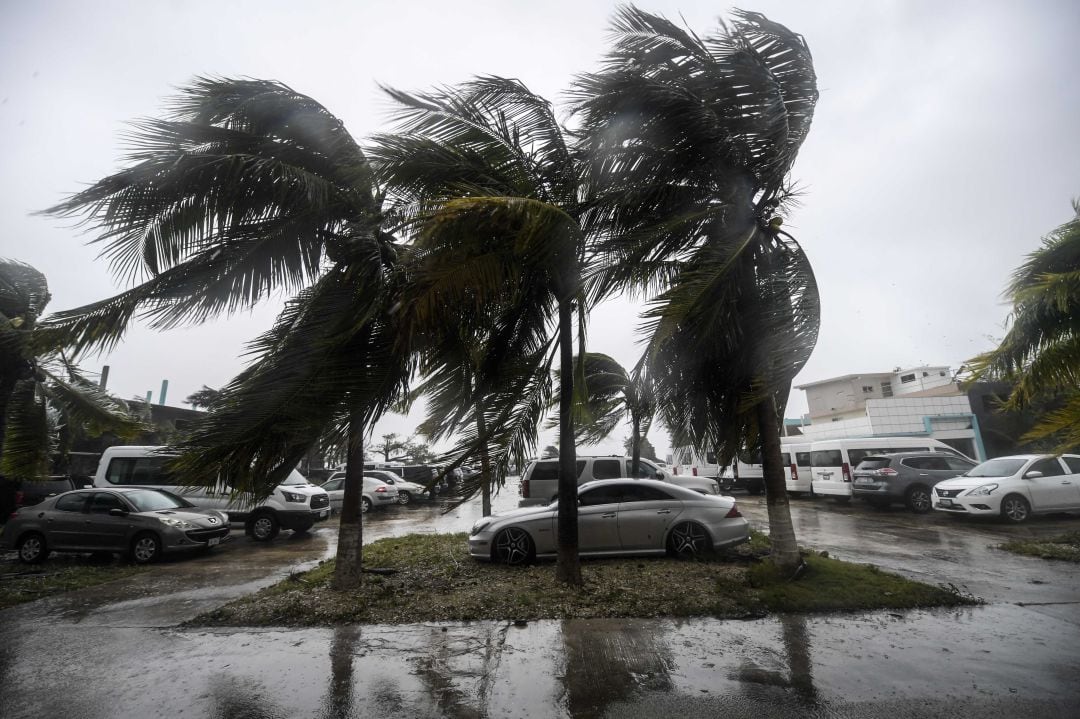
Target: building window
{"type": "Point", "coordinates": [925, 374]}
{"type": "Point", "coordinates": [941, 373]}
{"type": "Point", "coordinates": [886, 389]}
{"type": "Point", "coordinates": [867, 389]}
{"type": "Point", "coordinates": [835, 419]}
{"type": "Point", "coordinates": [905, 378]}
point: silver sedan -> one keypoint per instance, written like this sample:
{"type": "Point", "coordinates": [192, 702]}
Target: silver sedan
{"type": "Point", "coordinates": [616, 517]}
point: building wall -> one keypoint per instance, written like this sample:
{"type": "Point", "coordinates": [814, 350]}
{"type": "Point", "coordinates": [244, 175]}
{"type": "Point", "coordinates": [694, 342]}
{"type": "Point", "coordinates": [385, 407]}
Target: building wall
{"type": "Point", "coordinates": [843, 395]}
{"type": "Point", "coordinates": [922, 379]}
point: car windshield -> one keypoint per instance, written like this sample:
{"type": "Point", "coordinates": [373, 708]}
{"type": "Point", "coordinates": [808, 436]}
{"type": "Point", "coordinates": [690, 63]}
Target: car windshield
{"type": "Point", "coordinates": [295, 478]}
{"type": "Point", "coordinates": [153, 500]}
{"type": "Point", "coordinates": [997, 468]}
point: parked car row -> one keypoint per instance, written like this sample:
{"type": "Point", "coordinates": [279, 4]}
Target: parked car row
{"type": "Point", "coordinates": [381, 488]}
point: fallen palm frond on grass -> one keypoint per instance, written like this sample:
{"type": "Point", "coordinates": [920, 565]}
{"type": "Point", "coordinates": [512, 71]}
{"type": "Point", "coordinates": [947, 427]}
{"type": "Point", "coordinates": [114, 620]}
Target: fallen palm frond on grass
{"type": "Point", "coordinates": [436, 580]}
{"type": "Point", "coordinates": [1065, 547]}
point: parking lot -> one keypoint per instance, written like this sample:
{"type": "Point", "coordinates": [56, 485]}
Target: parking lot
{"type": "Point", "coordinates": [1016, 656]}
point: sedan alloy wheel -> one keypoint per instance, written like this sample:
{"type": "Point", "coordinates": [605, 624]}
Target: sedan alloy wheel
{"type": "Point", "coordinates": [688, 540]}
{"type": "Point", "coordinates": [1015, 508]}
{"type": "Point", "coordinates": [513, 546]}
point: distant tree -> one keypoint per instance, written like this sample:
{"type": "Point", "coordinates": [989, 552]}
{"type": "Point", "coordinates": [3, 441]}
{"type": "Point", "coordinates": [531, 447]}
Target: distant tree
{"type": "Point", "coordinates": [1040, 355]}
{"type": "Point", "coordinates": [391, 447]}
{"type": "Point", "coordinates": [416, 452]}
{"type": "Point", "coordinates": [203, 398]}
{"type": "Point", "coordinates": [646, 447]}
{"type": "Point", "coordinates": [550, 452]}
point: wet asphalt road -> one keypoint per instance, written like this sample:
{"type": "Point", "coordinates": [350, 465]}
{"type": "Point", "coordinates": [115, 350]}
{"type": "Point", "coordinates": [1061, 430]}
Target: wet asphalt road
{"type": "Point", "coordinates": [115, 651]}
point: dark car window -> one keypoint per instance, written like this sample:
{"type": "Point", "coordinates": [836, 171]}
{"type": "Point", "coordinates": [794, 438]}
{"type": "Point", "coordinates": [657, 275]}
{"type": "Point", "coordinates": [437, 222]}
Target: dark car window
{"type": "Point", "coordinates": [802, 459]}
{"type": "Point", "coordinates": [641, 493]}
{"type": "Point", "coordinates": [785, 457]}
{"type": "Point", "coordinates": [958, 463]}
{"type": "Point", "coordinates": [332, 485]}
{"type": "Point", "coordinates": [102, 502]}
{"type": "Point", "coordinates": [150, 500]}
{"type": "Point", "coordinates": [1074, 464]}
{"type": "Point", "coordinates": [72, 502]}
{"type": "Point", "coordinates": [1050, 467]}
{"type": "Point", "coordinates": [600, 495]}
{"type": "Point", "coordinates": [607, 469]}
{"type": "Point", "coordinates": [126, 471]}
{"type": "Point", "coordinates": [873, 463]}
{"type": "Point", "coordinates": [826, 458]}
{"type": "Point", "coordinates": [549, 469]}
{"type": "Point", "coordinates": [929, 463]}
{"type": "Point", "coordinates": [750, 457]}
{"type": "Point", "coordinates": [644, 471]}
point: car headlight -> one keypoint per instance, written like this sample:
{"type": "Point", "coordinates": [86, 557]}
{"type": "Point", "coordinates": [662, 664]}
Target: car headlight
{"type": "Point", "coordinates": [983, 490]}
{"type": "Point", "coordinates": [479, 526]}
{"type": "Point", "coordinates": [178, 523]}
{"type": "Point", "coordinates": [293, 496]}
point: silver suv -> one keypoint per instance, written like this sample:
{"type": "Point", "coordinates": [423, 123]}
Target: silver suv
{"type": "Point", "coordinates": [540, 481]}
{"type": "Point", "coordinates": [906, 477]}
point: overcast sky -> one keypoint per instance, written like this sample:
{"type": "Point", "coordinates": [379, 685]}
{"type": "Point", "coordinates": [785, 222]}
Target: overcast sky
{"type": "Point", "coordinates": [944, 145]}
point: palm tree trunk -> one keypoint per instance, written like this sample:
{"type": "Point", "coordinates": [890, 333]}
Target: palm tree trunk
{"type": "Point", "coordinates": [568, 566]}
{"type": "Point", "coordinates": [635, 449]}
{"type": "Point", "coordinates": [347, 570]}
{"type": "Point", "coordinates": [785, 550]}
{"type": "Point", "coordinates": [485, 462]}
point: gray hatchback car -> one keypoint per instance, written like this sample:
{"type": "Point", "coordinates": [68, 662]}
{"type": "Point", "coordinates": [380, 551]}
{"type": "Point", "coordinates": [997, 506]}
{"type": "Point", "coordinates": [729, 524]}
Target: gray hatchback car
{"type": "Point", "coordinates": [140, 522]}
{"type": "Point", "coordinates": [905, 477]}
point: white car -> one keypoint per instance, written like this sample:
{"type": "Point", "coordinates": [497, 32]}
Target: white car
{"type": "Point", "coordinates": [1013, 487]}
{"type": "Point", "coordinates": [376, 493]}
{"type": "Point", "coordinates": [406, 491]}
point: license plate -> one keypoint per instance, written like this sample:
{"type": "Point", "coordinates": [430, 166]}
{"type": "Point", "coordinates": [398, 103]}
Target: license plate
{"type": "Point", "coordinates": [324, 514]}
{"type": "Point", "coordinates": [863, 480]}
{"type": "Point", "coordinates": [945, 502]}
{"type": "Point", "coordinates": [213, 541]}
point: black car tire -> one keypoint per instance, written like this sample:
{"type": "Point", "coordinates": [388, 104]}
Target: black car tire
{"type": "Point", "coordinates": [365, 505]}
{"type": "Point", "coordinates": [755, 488]}
{"type": "Point", "coordinates": [1015, 509]}
{"type": "Point", "coordinates": [688, 539]}
{"type": "Point", "coordinates": [513, 546]}
{"type": "Point", "coordinates": [145, 548]}
{"type": "Point", "coordinates": [403, 497]}
{"type": "Point", "coordinates": [918, 499]}
{"type": "Point", "coordinates": [263, 526]}
{"type": "Point", "coordinates": [32, 548]}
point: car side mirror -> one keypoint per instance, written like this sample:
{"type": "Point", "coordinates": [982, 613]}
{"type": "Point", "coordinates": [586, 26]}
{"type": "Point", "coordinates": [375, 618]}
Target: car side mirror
{"type": "Point", "coordinates": [660, 474]}
{"type": "Point", "coordinates": [117, 512]}
{"type": "Point", "coordinates": [1033, 474]}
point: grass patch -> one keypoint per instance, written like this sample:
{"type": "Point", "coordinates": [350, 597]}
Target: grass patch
{"type": "Point", "coordinates": [22, 583]}
{"type": "Point", "coordinates": [1065, 547]}
{"type": "Point", "coordinates": [436, 580]}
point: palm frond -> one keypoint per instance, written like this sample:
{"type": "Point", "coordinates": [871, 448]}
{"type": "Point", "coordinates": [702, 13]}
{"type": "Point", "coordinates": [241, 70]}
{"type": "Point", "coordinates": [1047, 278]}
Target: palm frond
{"type": "Point", "coordinates": [25, 451]}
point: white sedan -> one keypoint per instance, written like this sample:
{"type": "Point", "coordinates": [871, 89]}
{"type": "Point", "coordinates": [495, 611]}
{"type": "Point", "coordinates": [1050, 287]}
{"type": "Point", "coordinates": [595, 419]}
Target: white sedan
{"type": "Point", "coordinates": [616, 517]}
{"type": "Point", "coordinates": [1013, 487]}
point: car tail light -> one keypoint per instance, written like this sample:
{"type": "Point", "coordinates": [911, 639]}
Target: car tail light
{"type": "Point", "coordinates": [380, 489]}
{"type": "Point", "coordinates": [888, 472]}
{"type": "Point", "coordinates": [693, 471]}
{"type": "Point", "coordinates": [845, 469]}
{"type": "Point", "coordinates": [525, 488]}
{"type": "Point", "coordinates": [794, 473]}
{"type": "Point", "coordinates": [19, 497]}
{"type": "Point", "coordinates": [675, 470]}
{"type": "Point", "coordinates": [733, 513]}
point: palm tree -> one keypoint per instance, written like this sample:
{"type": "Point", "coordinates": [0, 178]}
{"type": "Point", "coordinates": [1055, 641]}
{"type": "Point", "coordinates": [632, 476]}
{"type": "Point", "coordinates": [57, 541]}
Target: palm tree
{"type": "Point", "coordinates": [610, 395]}
{"type": "Point", "coordinates": [691, 142]}
{"type": "Point", "coordinates": [497, 197]}
{"type": "Point", "coordinates": [248, 189]}
{"type": "Point", "coordinates": [1040, 354]}
{"type": "Point", "coordinates": [43, 395]}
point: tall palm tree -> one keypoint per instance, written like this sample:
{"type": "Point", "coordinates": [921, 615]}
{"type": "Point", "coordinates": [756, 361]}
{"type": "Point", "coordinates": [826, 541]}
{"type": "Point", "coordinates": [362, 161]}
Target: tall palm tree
{"type": "Point", "coordinates": [497, 196]}
{"type": "Point", "coordinates": [247, 189]}
{"type": "Point", "coordinates": [42, 393]}
{"type": "Point", "coordinates": [692, 141]}
{"type": "Point", "coordinates": [1040, 354]}
{"type": "Point", "coordinates": [609, 396]}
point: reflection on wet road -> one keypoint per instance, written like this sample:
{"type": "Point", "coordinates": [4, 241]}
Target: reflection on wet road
{"type": "Point", "coordinates": [114, 651]}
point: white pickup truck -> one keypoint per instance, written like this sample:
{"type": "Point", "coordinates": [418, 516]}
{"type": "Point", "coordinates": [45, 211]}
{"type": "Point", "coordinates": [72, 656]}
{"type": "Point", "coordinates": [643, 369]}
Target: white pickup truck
{"type": "Point", "coordinates": [540, 481]}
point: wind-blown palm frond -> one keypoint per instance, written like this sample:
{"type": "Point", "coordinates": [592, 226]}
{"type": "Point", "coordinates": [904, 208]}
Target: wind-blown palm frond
{"type": "Point", "coordinates": [1040, 354]}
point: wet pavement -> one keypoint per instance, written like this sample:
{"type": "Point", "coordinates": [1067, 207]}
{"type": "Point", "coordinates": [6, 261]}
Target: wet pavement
{"type": "Point", "coordinates": [116, 651]}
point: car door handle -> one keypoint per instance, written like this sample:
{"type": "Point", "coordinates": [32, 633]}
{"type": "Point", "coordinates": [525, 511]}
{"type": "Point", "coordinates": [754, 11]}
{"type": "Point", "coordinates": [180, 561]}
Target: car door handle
{"type": "Point", "coordinates": [1066, 482]}
{"type": "Point", "coordinates": [607, 515]}
{"type": "Point", "coordinates": [663, 511]}
{"type": "Point", "coordinates": [923, 474]}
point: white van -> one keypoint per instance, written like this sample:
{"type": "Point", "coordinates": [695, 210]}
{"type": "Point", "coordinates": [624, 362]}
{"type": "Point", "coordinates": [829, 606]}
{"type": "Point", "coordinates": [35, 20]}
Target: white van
{"type": "Point", "coordinates": [743, 472]}
{"type": "Point", "coordinates": [295, 504]}
{"type": "Point", "coordinates": [832, 460]}
{"type": "Point", "coordinates": [540, 480]}
{"type": "Point", "coordinates": [797, 473]}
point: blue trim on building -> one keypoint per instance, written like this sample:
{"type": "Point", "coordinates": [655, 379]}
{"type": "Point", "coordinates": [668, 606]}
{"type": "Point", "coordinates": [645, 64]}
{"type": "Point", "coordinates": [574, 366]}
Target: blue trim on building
{"type": "Point", "coordinates": [980, 448]}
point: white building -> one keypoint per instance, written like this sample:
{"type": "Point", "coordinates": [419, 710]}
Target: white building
{"type": "Point", "coordinates": [913, 402]}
